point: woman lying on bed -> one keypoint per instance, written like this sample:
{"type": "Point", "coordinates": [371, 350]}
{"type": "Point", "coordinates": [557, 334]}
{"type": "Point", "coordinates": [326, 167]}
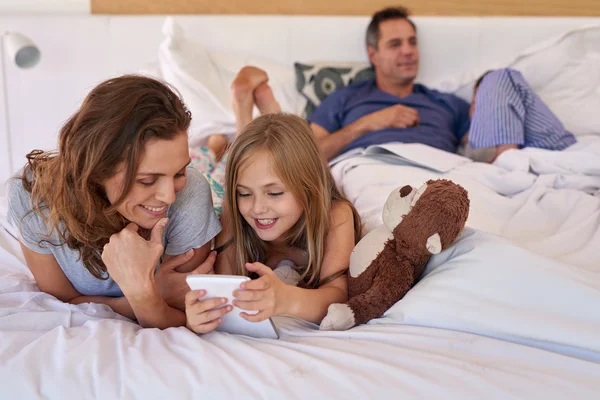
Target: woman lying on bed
{"type": "Point", "coordinates": [121, 167]}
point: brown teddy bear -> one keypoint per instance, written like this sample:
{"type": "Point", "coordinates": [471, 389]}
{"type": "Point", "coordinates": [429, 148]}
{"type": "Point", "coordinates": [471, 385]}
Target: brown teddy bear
{"type": "Point", "coordinates": [389, 260]}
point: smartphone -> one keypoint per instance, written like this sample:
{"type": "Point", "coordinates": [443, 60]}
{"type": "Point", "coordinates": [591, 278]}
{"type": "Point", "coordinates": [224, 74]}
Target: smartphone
{"type": "Point", "coordinates": [224, 286]}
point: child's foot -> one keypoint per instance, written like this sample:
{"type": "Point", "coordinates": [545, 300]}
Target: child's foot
{"type": "Point", "coordinates": [242, 105]}
{"type": "Point", "coordinates": [217, 143]}
{"type": "Point", "coordinates": [242, 88]}
{"type": "Point", "coordinates": [265, 101]}
{"type": "Point", "coordinates": [249, 78]}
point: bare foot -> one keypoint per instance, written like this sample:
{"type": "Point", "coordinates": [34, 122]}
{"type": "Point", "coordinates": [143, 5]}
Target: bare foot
{"type": "Point", "coordinates": [243, 86]}
{"type": "Point", "coordinates": [217, 143]}
{"type": "Point", "coordinates": [265, 101]}
{"type": "Point", "coordinates": [242, 105]}
{"type": "Point", "coordinates": [250, 77]}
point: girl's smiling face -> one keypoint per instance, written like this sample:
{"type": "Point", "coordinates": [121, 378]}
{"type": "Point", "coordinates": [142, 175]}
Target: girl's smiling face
{"type": "Point", "coordinates": [263, 199]}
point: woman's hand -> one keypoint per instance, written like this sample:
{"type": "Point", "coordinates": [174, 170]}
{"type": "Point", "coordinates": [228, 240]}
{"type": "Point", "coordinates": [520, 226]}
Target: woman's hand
{"type": "Point", "coordinates": [172, 285]}
{"type": "Point", "coordinates": [203, 316]}
{"type": "Point", "coordinates": [268, 294]}
{"type": "Point", "coordinates": [131, 260]}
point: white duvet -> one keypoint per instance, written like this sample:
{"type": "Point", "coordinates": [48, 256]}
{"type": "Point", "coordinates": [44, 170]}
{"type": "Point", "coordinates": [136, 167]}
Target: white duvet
{"type": "Point", "coordinates": [488, 320]}
{"type": "Point", "coordinates": [544, 201]}
{"type": "Point", "coordinates": [511, 310]}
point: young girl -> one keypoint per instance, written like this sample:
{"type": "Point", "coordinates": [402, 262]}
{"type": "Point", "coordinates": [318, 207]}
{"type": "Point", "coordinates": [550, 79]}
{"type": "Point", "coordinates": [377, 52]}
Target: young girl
{"type": "Point", "coordinates": [120, 169]}
{"type": "Point", "coordinates": [281, 206]}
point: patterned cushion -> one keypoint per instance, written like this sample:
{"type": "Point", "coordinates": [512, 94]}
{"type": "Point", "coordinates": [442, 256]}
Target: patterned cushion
{"type": "Point", "coordinates": [318, 80]}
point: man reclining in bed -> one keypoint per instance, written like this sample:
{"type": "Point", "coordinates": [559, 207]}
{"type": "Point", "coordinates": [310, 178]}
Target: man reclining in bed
{"type": "Point", "coordinates": [393, 108]}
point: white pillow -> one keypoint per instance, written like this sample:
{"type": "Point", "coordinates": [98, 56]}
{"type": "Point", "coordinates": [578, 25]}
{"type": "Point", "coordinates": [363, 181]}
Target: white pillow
{"type": "Point", "coordinates": [566, 75]}
{"type": "Point", "coordinates": [204, 79]}
{"type": "Point", "coordinates": [484, 284]}
{"type": "Point", "coordinates": [563, 71]}
{"type": "Point", "coordinates": [188, 67]}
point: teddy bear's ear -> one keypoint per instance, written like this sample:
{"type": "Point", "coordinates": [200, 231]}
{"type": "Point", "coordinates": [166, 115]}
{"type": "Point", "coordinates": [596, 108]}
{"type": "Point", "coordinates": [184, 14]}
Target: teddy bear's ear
{"type": "Point", "coordinates": [434, 244]}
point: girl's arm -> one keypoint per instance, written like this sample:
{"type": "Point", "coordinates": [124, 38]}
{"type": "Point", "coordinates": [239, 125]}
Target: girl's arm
{"type": "Point", "coordinates": [51, 279]}
{"type": "Point", "coordinates": [311, 305]}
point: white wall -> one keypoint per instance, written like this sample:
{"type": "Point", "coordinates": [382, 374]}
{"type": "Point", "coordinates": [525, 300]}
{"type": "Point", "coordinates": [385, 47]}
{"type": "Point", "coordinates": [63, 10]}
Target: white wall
{"type": "Point", "coordinates": [79, 51]}
{"type": "Point", "coordinates": [5, 146]}
{"type": "Point", "coordinates": [19, 8]}
{"type": "Point", "coordinates": [44, 7]}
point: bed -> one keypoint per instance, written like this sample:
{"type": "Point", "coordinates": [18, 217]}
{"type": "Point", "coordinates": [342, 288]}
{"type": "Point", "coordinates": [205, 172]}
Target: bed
{"type": "Point", "coordinates": [509, 311]}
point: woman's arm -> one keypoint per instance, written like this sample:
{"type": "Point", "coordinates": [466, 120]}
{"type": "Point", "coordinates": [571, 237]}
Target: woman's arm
{"type": "Point", "coordinates": [171, 278]}
{"type": "Point", "coordinates": [131, 261]}
{"type": "Point", "coordinates": [225, 261]}
{"type": "Point", "coordinates": [196, 260]}
{"type": "Point", "coordinates": [51, 279]}
{"type": "Point", "coordinates": [152, 311]}
{"type": "Point", "coordinates": [118, 304]}
{"type": "Point", "coordinates": [226, 257]}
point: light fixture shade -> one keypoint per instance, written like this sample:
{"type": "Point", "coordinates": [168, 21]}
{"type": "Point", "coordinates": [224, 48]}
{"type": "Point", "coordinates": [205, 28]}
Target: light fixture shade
{"type": "Point", "coordinates": [21, 50]}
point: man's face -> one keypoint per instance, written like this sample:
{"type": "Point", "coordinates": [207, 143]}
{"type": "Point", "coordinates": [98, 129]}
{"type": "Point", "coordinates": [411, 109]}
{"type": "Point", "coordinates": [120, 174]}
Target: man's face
{"type": "Point", "coordinates": [396, 58]}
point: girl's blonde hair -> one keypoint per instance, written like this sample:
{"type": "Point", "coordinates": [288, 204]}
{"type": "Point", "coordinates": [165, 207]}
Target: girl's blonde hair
{"type": "Point", "coordinates": [296, 159]}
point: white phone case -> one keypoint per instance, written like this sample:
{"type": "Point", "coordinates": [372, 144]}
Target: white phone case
{"type": "Point", "coordinates": [224, 286]}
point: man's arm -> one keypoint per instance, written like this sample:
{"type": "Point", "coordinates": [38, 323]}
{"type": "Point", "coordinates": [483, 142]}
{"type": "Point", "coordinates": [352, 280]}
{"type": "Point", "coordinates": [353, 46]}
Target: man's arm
{"type": "Point", "coordinates": [397, 116]}
{"type": "Point", "coordinates": [330, 145]}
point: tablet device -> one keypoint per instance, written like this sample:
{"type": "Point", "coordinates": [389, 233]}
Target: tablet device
{"type": "Point", "coordinates": [224, 286]}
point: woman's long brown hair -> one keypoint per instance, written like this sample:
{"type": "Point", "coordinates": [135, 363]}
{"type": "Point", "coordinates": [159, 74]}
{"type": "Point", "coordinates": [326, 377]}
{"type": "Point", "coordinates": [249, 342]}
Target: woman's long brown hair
{"type": "Point", "coordinates": [110, 129]}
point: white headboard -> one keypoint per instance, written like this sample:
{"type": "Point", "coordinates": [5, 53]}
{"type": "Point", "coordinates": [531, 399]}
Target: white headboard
{"type": "Point", "coordinates": [80, 51]}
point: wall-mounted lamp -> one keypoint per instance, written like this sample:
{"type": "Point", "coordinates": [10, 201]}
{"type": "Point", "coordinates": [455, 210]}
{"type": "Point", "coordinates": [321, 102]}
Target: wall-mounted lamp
{"type": "Point", "coordinates": [24, 53]}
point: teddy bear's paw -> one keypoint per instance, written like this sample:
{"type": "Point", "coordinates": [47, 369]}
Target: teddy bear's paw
{"type": "Point", "coordinates": [286, 273]}
{"type": "Point", "coordinates": [339, 318]}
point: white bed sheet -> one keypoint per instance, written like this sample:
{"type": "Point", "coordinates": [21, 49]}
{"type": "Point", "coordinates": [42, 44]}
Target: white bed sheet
{"type": "Point", "coordinates": [547, 202]}
{"type": "Point", "coordinates": [49, 349]}
{"type": "Point", "coordinates": [489, 320]}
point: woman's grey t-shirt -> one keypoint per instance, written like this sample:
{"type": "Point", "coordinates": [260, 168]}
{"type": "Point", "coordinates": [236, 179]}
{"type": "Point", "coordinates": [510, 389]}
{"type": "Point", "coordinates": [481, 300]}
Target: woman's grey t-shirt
{"type": "Point", "coordinates": [192, 223]}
